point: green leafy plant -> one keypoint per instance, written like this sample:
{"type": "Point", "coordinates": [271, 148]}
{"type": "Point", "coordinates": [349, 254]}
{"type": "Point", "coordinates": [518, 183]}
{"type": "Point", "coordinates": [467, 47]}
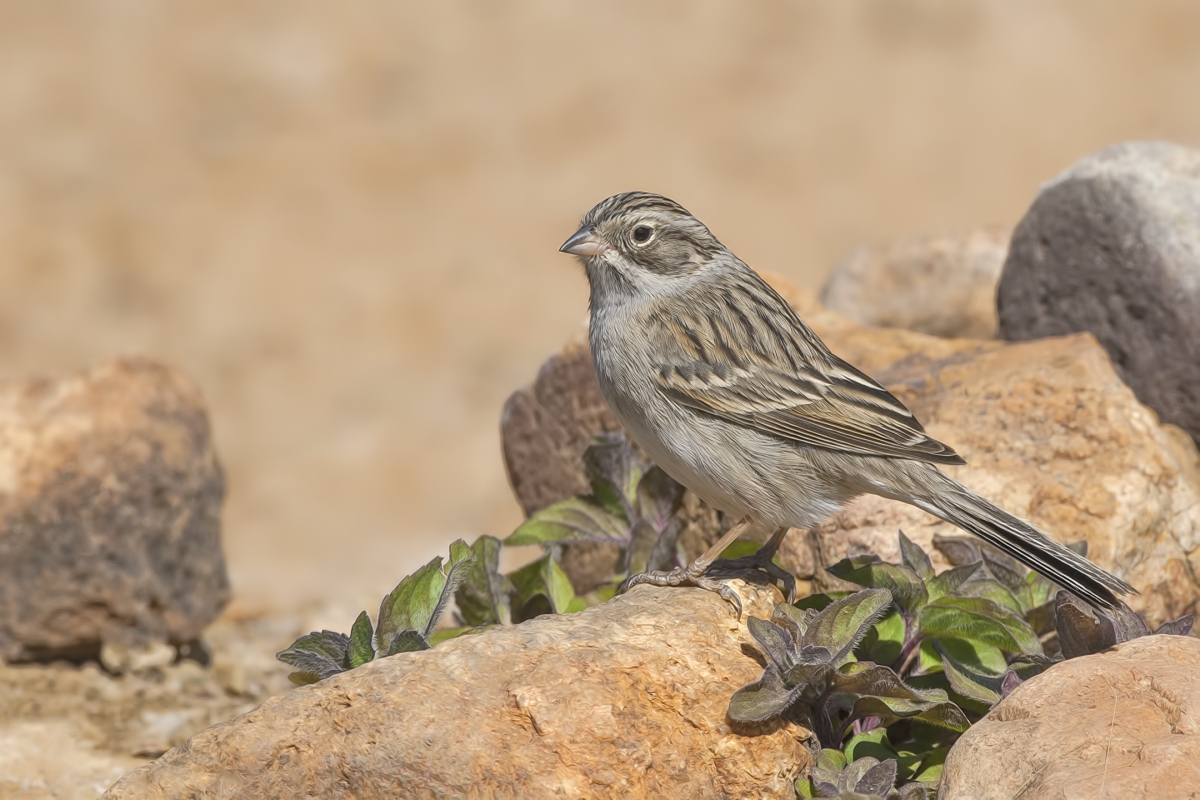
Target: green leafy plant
{"type": "Point", "coordinates": [487, 597]}
{"type": "Point", "coordinates": [407, 619]}
{"type": "Point", "coordinates": [966, 623]}
{"type": "Point", "coordinates": [812, 662]}
{"type": "Point", "coordinates": [865, 778]}
{"type": "Point", "coordinates": [631, 504]}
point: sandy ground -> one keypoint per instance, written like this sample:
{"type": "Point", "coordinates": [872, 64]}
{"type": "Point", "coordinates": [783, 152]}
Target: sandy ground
{"type": "Point", "coordinates": [342, 219]}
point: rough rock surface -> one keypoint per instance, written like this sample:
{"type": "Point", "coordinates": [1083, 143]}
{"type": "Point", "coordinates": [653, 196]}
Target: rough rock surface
{"type": "Point", "coordinates": [608, 702]}
{"type": "Point", "coordinates": [1112, 247]}
{"type": "Point", "coordinates": [1120, 724]}
{"type": "Point", "coordinates": [110, 495]}
{"type": "Point", "coordinates": [1049, 432]}
{"type": "Point", "coordinates": [943, 285]}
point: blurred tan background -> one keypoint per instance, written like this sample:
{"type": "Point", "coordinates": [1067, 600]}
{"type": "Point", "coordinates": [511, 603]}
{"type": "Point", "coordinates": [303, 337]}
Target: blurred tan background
{"type": "Point", "coordinates": [342, 218]}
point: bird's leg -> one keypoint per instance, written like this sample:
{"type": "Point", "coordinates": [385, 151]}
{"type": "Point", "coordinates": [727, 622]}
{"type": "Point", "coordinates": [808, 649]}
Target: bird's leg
{"type": "Point", "coordinates": [762, 560]}
{"type": "Point", "coordinates": [694, 574]}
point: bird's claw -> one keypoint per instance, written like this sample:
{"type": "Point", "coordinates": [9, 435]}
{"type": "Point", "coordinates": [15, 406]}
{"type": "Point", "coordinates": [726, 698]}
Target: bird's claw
{"type": "Point", "coordinates": [759, 562]}
{"type": "Point", "coordinates": [691, 575]}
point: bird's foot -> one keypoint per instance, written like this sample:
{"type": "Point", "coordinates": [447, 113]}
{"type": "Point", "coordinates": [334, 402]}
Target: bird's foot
{"type": "Point", "coordinates": [761, 562]}
{"type": "Point", "coordinates": [691, 575]}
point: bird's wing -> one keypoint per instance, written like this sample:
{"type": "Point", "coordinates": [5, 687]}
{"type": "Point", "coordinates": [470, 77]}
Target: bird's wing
{"type": "Point", "coordinates": [783, 381]}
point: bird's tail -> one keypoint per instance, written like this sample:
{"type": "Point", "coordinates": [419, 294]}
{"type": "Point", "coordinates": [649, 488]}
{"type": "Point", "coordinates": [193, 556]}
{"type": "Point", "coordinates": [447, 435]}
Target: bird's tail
{"type": "Point", "coordinates": [959, 506]}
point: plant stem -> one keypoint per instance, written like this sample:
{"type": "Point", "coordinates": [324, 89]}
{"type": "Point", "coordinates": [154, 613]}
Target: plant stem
{"type": "Point", "coordinates": [908, 653]}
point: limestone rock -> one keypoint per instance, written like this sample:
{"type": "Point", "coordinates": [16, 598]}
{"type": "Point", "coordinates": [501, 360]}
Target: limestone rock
{"type": "Point", "coordinates": [943, 285]}
{"type": "Point", "coordinates": [1112, 247]}
{"type": "Point", "coordinates": [110, 495]}
{"type": "Point", "coordinates": [626, 699]}
{"type": "Point", "coordinates": [1118, 724]}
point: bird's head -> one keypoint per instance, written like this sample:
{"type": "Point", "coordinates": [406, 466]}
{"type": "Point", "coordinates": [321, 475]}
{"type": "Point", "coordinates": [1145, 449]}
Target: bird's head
{"type": "Point", "coordinates": [639, 244]}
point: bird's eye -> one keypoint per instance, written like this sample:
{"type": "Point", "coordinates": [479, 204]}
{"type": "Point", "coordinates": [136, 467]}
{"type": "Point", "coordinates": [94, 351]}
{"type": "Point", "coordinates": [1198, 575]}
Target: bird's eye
{"type": "Point", "coordinates": [641, 234]}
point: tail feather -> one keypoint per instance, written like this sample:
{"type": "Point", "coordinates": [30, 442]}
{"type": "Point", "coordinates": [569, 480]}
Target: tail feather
{"type": "Point", "coordinates": [960, 506]}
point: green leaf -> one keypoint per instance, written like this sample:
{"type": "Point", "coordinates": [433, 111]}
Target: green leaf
{"type": "Point", "coordinates": [542, 578]}
{"type": "Point", "coordinates": [406, 642]}
{"type": "Point", "coordinates": [303, 678]}
{"type": "Point", "coordinates": [870, 690]}
{"type": "Point", "coordinates": [482, 599]}
{"type": "Point", "coordinates": [558, 586]}
{"type": "Point", "coordinates": [418, 601]}
{"type": "Point", "coordinates": [974, 669]}
{"type": "Point", "coordinates": [765, 698]}
{"type": "Point", "coordinates": [308, 663]}
{"type": "Point", "coordinates": [331, 644]}
{"type": "Point", "coordinates": [915, 558]}
{"type": "Point", "coordinates": [614, 472]}
{"type": "Point", "coordinates": [990, 589]}
{"type": "Point", "coordinates": [930, 771]}
{"type": "Point", "coordinates": [949, 581]}
{"type": "Point", "coordinates": [828, 766]}
{"type": "Point", "coordinates": [576, 519]}
{"type": "Point", "coordinates": [888, 640]}
{"type": "Point", "coordinates": [874, 743]}
{"type": "Point", "coordinates": [1036, 593]}
{"type": "Point", "coordinates": [980, 619]}
{"type": "Point", "coordinates": [906, 587]}
{"type": "Point", "coordinates": [775, 641]}
{"type": "Point", "coordinates": [843, 623]}
{"type": "Point", "coordinates": [361, 648]}
{"type": "Point", "coordinates": [317, 656]}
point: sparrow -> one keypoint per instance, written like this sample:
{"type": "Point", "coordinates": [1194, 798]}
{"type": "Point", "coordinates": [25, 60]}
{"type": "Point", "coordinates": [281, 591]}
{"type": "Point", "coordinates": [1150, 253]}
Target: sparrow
{"type": "Point", "coordinates": [725, 387]}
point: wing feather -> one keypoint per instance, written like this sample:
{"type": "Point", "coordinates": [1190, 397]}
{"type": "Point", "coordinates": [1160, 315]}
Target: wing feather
{"type": "Point", "coordinates": [761, 367]}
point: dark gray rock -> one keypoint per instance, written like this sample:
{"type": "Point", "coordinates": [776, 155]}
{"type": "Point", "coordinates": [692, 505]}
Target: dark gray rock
{"type": "Point", "coordinates": [110, 499]}
{"type": "Point", "coordinates": [1112, 247]}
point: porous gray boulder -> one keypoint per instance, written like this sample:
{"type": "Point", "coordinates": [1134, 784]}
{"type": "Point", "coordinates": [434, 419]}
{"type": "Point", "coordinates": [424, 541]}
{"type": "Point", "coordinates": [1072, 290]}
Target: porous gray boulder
{"type": "Point", "coordinates": [110, 500]}
{"type": "Point", "coordinates": [1112, 247]}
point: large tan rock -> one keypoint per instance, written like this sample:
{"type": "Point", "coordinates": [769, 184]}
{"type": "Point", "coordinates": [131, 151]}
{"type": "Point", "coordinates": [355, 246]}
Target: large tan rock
{"type": "Point", "coordinates": [1050, 433]}
{"type": "Point", "coordinates": [1048, 429]}
{"type": "Point", "coordinates": [943, 285]}
{"type": "Point", "coordinates": [1122, 724]}
{"type": "Point", "coordinates": [626, 699]}
{"type": "Point", "coordinates": [110, 499]}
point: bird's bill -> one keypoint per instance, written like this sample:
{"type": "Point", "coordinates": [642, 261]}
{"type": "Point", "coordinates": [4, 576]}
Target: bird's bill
{"type": "Point", "coordinates": [584, 242]}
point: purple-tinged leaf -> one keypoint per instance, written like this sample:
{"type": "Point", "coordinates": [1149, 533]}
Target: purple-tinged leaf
{"type": "Point", "coordinates": [765, 698]}
{"type": "Point", "coordinates": [915, 558]}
